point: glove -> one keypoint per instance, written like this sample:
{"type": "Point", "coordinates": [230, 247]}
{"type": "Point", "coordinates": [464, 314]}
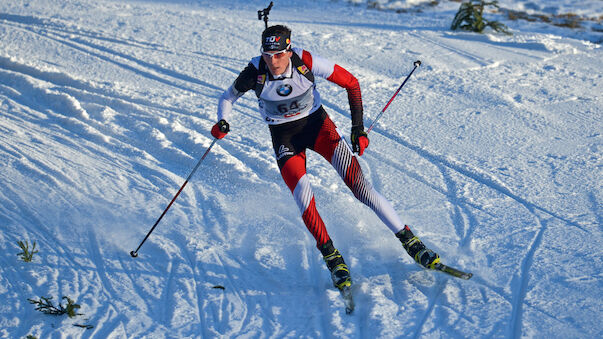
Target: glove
{"type": "Point", "coordinates": [359, 139]}
{"type": "Point", "coordinates": [220, 129]}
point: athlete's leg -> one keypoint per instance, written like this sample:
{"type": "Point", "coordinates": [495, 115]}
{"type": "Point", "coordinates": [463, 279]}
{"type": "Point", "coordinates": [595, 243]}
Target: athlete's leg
{"type": "Point", "coordinates": [290, 141]}
{"type": "Point", "coordinates": [294, 175]}
{"type": "Point", "coordinates": [335, 150]}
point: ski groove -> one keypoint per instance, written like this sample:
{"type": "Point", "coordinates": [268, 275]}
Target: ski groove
{"type": "Point", "coordinates": [472, 174]}
{"type": "Point", "coordinates": [144, 68]}
{"type": "Point", "coordinates": [523, 276]}
{"type": "Point", "coordinates": [433, 299]}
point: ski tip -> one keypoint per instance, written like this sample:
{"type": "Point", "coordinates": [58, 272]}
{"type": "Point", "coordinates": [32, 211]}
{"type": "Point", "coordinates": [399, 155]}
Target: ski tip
{"type": "Point", "coordinates": [453, 271]}
{"type": "Point", "coordinates": [348, 300]}
{"type": "Point", "coordinates": [133, 254]}
{"type": "Point", "coordinates": [465, 275]}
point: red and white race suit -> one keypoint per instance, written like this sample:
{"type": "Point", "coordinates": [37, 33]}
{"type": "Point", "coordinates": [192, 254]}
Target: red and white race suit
{"type": "Point", "coordinates": [292, 107]}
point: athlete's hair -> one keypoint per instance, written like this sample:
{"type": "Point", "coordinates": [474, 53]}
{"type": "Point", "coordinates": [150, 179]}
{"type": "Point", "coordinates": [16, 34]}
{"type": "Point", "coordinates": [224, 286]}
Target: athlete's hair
{"type": "Point", "coordinates": [276, 30]}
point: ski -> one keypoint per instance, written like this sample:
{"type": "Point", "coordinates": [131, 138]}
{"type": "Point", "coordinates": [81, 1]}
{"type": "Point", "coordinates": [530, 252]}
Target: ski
{"type": "Point", "coordinates": [348, 300]}
{"type": "Point", "coordinates": [452, 271]}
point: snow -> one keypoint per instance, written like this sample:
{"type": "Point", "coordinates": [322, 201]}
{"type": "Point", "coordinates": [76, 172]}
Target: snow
{"type": "Point", "coordinates": [492, 152]}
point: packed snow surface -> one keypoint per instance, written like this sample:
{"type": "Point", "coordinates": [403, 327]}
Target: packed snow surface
{"type": "Point", "coordinates": [492, 152]}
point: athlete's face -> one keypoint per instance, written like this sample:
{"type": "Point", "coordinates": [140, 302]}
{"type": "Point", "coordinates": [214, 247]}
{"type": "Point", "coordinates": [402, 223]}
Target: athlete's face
{"type": "Point", "coordinates": [277, 62]}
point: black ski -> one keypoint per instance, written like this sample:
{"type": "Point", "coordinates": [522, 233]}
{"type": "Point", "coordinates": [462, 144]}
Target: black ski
{"type": "Point", "coordinates": [452, 271]}
{"type": "Point", "coordinates": [348, 300]}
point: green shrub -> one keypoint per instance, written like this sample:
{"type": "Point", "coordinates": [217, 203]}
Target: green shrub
{"type": "Point", "coordinates": [27, 255]}
{"type": "Point", "coordinates": [470, 17]}
{"type": "Point", "coordinates": [44, 305]}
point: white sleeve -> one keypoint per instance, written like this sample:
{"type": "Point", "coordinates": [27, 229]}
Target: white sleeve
{"type": "Point", "coordinates": [319, 66]}
{"type": "Point", "coordinates": [227, 99]}
{"type": "Point", "coordinates": [322, 67]}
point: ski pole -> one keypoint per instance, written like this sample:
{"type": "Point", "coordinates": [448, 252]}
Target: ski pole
{"type": "Point", "coordinates": [134, 254]}
{"type": "Point", "coordinates": [416, 64]}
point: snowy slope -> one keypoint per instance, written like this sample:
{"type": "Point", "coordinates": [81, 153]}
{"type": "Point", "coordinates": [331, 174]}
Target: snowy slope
{"type": "Point", "coordinates": [492, 152]}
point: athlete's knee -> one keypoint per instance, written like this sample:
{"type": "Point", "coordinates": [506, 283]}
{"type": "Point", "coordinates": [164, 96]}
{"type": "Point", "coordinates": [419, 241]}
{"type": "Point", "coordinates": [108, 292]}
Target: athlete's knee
{"type": "Point", "coordinates": [293, 170]}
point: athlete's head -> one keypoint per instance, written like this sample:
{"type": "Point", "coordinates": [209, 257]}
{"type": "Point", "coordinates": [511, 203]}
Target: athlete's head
{"type": "Point", "coordinates": [276, 48]}
{"type": "Point", "coordinates": [276, 38]}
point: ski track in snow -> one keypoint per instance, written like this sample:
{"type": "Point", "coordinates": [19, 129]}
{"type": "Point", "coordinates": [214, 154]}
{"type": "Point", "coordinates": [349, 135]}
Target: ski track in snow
{"type": "Point", "coordinates": [94, 153]}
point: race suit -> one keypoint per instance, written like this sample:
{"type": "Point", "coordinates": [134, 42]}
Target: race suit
{"type": "Point", "coordinates": [291, 106]}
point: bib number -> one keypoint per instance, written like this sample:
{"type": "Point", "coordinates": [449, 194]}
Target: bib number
{"type": "Point", "coordinates": [290, 109]}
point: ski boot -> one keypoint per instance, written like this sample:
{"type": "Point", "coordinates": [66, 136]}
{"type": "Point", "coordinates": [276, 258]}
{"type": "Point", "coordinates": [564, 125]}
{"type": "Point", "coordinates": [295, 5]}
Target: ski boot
{"type": "Point", "coordinates": [417, 250]}
{"type": "Point", "coordinates": [339, 270]}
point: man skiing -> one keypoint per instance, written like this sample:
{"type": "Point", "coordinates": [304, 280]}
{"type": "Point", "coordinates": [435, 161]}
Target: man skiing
{"type": "Point", "coordinates": [283, 80]}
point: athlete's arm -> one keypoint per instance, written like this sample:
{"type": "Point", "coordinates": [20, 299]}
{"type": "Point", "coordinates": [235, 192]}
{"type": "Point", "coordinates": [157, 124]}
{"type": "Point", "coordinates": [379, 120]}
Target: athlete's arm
{"type": "Point", "coordinates": [334, 73]}
{"type": "Point", "coordinates": [244, 82]}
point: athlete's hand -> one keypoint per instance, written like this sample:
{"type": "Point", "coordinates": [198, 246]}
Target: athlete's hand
{"type": "Point", "coordinates": [220, 129]}
{"type": "Point", "coordinates": [359, 139]}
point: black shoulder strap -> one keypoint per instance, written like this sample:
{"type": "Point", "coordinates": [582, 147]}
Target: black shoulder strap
{"type": "Point", "coordinates": [261, 78]}
{"type": "Point", "coordinates": [301, 68]}
{"type": "Point", "coordinates": [263, 72]}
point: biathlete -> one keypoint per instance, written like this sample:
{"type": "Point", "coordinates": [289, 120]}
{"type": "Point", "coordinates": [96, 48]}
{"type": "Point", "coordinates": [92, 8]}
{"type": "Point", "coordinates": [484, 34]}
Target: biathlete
{"type": "Point", "coordinates": [283, 79]}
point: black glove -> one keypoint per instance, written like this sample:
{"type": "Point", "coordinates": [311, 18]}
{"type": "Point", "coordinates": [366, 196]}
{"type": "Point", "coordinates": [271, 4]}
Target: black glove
{"type": "Point", "coordinates": [359, 139]}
